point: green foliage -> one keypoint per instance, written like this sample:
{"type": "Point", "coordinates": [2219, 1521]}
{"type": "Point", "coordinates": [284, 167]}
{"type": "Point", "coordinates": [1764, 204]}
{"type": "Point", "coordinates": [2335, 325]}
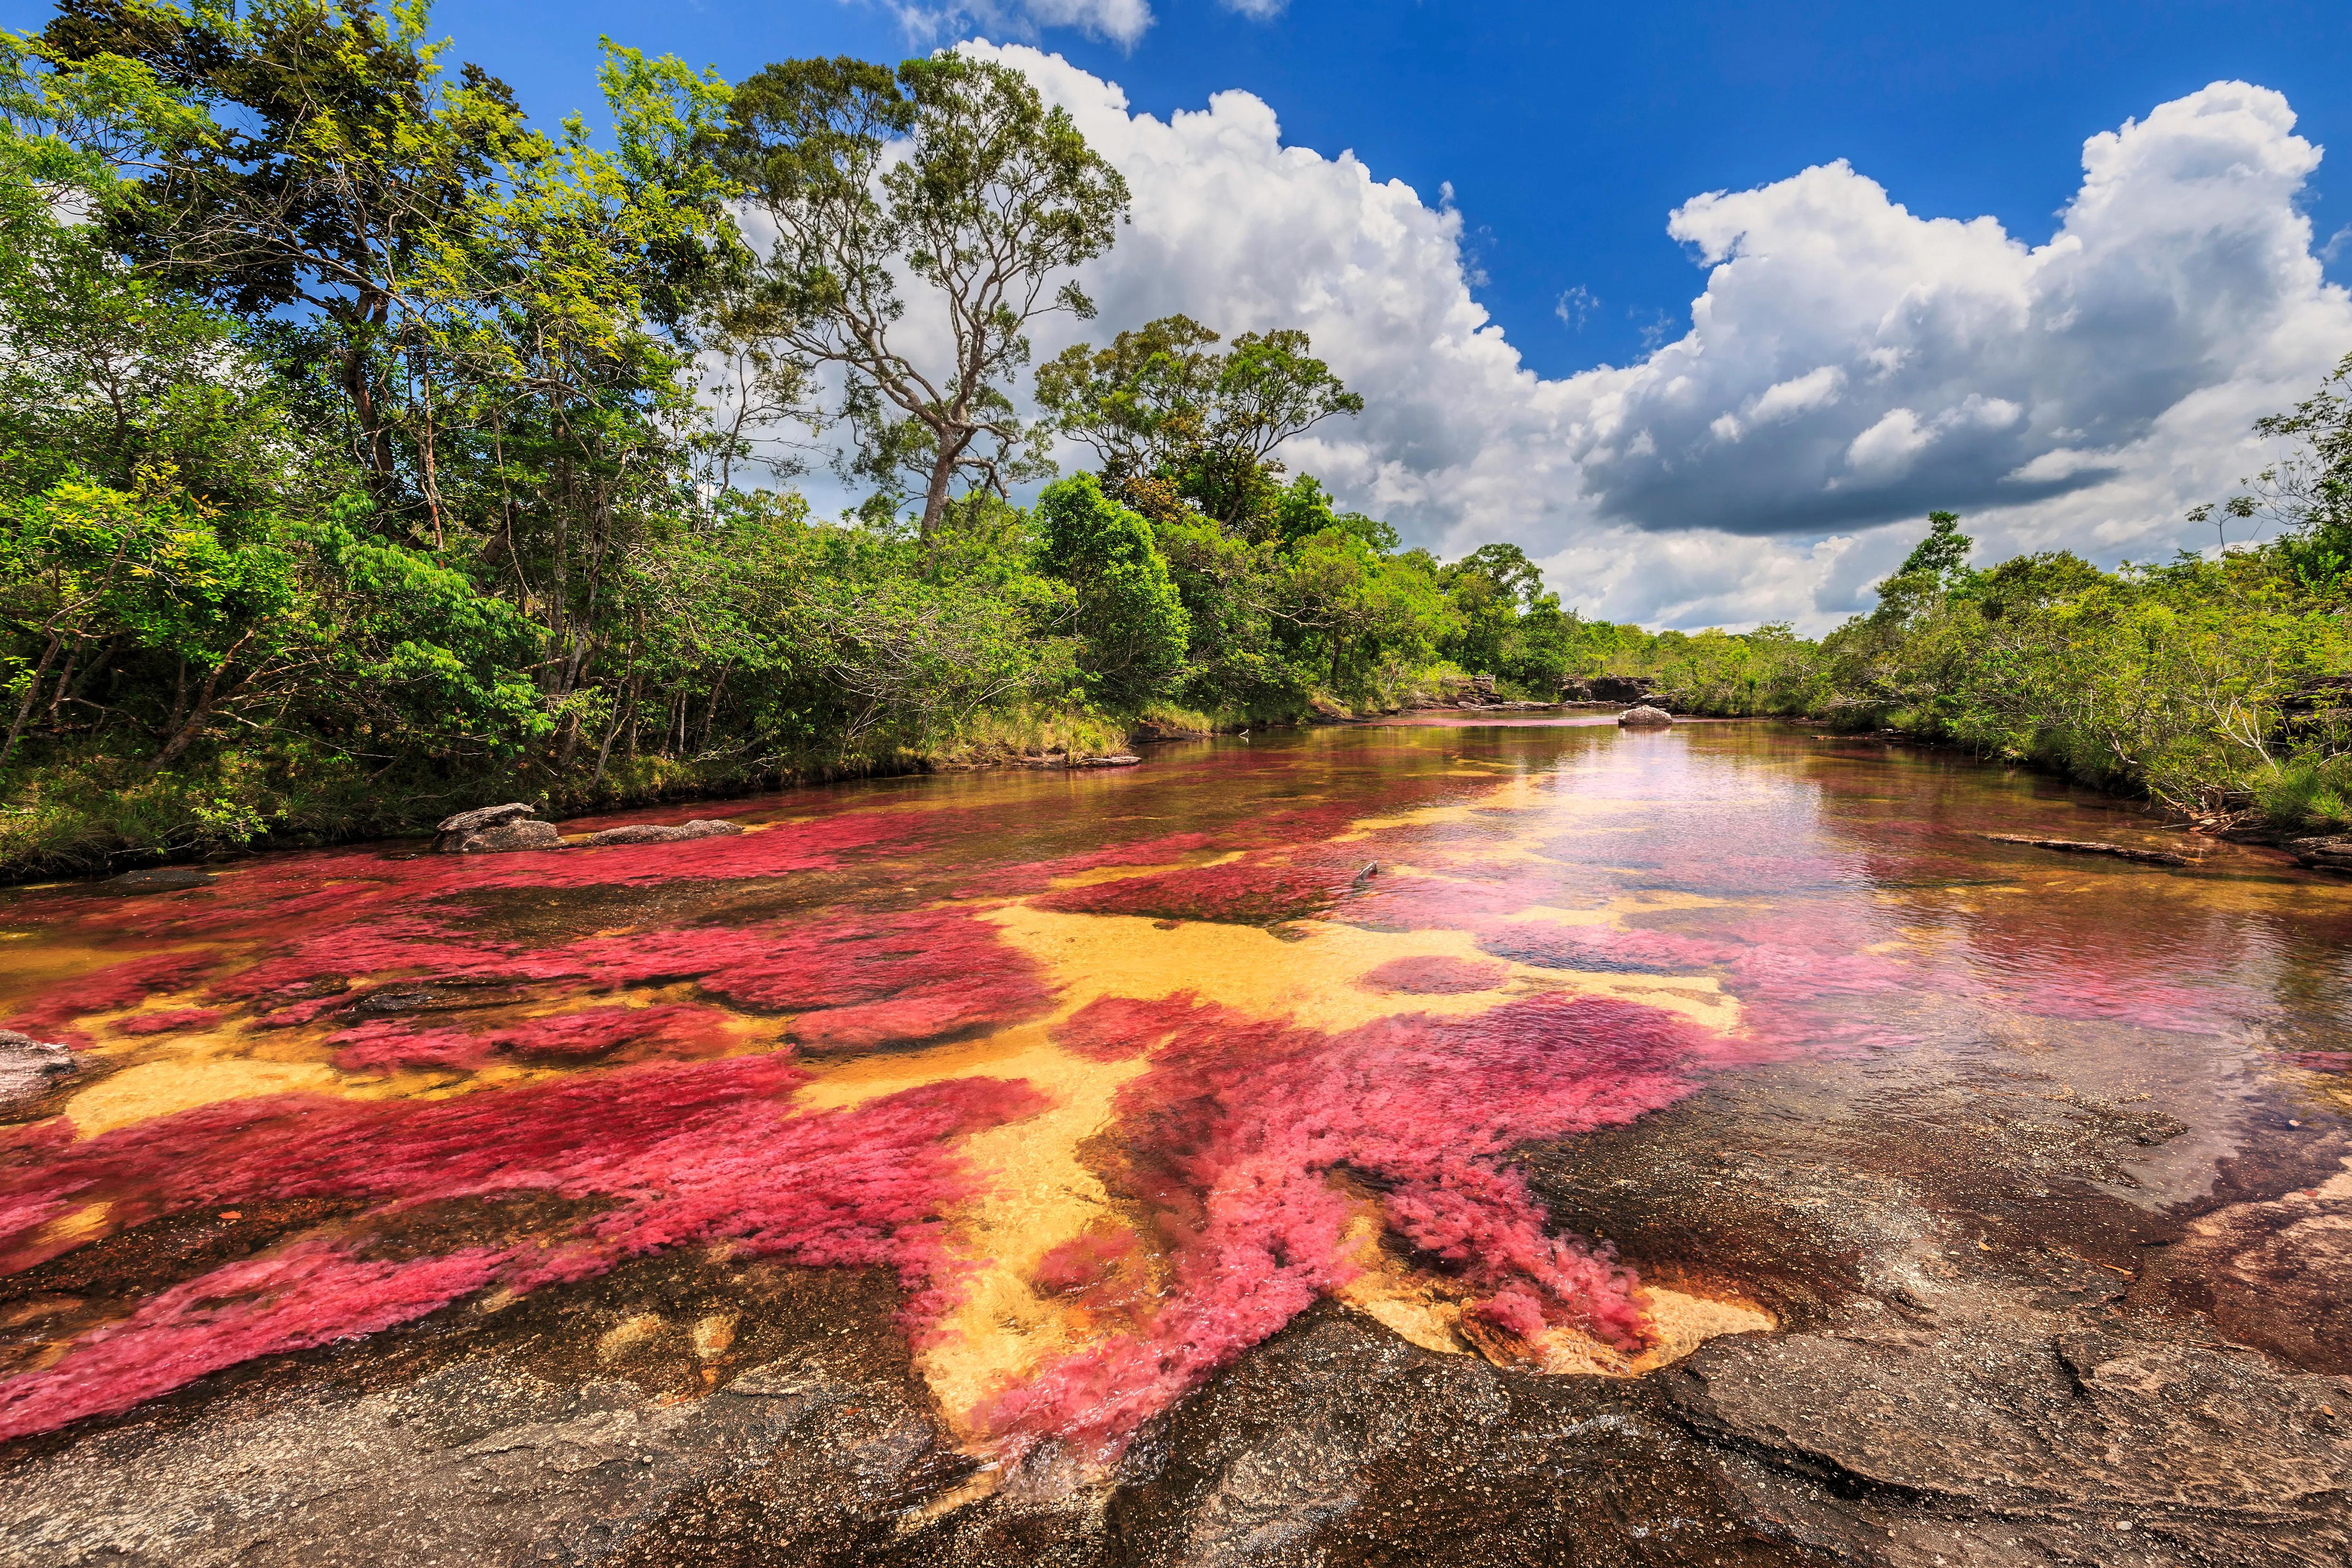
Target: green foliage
{"type": "Point", "coordinates": [1129, 620]}
{"type": "Point", "coordinates": [2198, 682]}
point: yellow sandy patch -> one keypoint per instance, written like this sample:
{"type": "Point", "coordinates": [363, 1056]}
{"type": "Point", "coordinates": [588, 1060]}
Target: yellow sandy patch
{"type": "Point", "coordinates": [73, 1228]}
{"type": "Point", "coordinates": [1038, 1196]}
{"type": "Point", "coordinates": [160, 1087]}
{"type": "Point", "coordinates": [1315, 979]}
{"type": "Point", "coordinates": [1427, 1311]}
{"type": "Point", "coordinates": [624, 1337]}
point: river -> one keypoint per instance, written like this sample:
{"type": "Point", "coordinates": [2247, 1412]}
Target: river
{"type": "Point", "coordinates": [1519, 1142]}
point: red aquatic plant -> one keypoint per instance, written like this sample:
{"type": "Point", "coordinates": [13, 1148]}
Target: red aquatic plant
{"type": "Point", "coordinates": [671, 1031]}
{"type": "Point", "coordinates": [169, 1021]}
{"type": "Point", "coordinates": [1237, 1131]}
{"type": "Point", "coordinates": [675, 1155]}
{"type": "Point", "coordinates": [1116, 1029]}
{"type": "Point", "coordinates": [305, 1295]}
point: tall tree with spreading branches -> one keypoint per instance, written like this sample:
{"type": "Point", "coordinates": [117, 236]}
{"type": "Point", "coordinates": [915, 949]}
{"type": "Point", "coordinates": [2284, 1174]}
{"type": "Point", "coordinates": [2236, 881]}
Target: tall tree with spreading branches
{"type": "Point", "coordinates": [949, 174]}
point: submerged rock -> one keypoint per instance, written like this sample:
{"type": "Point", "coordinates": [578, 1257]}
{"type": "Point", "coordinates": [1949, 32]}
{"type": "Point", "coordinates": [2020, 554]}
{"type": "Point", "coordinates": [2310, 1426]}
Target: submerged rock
{"type": "Point", "coordinates": [662, 832]}
{"type": "Point", "coordinates": [161, 879]}
{"type": "Point", "coordinates": [29, 1069]}
{"type": "Point", "coordinates": [1645, 717]}
{"type": "Point", "coordinates": [495, 829]}
{"type": "Point", "coordinates": [2092, 847]}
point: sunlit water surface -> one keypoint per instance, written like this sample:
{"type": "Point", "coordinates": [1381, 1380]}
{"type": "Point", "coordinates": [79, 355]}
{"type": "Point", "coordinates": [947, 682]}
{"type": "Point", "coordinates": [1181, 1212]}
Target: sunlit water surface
{"type": "Point", "coordinates": [1117, 1071]}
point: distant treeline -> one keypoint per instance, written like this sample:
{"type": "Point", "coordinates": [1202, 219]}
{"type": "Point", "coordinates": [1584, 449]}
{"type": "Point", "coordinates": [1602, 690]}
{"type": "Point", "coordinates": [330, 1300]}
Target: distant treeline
{"type": "Point", "coordinates": [367, 453]}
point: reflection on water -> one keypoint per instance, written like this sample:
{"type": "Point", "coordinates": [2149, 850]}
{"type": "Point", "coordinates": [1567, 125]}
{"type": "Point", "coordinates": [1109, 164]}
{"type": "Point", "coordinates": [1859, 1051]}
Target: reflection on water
{"type": "Point", "coordinates": [1117, 1072]}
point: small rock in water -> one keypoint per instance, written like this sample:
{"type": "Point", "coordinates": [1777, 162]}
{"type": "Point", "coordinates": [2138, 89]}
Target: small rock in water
{"type": "Point", "coordinates": [30, 1067]}
{"type": "Point", "coordinates": [1116, 760]}
{"type": "Point", "coordinates": [662, 832]}
{"type": "Point", "coordinates": [163, 879]}
{"type": "Point", "coordinates": [1645, 717]}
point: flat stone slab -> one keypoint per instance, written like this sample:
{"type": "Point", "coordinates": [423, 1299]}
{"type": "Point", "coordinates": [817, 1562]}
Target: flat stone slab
{"type": "Point", "coordinates": [2092, 847]}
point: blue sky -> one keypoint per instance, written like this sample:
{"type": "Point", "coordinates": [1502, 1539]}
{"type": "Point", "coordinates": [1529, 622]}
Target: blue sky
{"type": "Point", "coordinates": [2041, 264]}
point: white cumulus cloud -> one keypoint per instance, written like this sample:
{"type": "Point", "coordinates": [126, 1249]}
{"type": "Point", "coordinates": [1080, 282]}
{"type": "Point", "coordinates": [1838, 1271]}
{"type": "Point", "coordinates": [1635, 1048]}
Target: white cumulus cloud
{"type": "Point", "coordinates": [1847, 365]}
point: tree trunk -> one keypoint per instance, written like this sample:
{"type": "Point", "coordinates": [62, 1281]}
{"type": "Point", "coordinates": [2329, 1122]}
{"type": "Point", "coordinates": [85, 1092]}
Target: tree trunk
{"type": "Point", "coordinates": [206, 697]}
{"type": "Point", "coordinates": [935, 501]}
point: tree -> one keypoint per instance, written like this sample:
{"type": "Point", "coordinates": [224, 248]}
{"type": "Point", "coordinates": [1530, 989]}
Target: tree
{"type": "Point", "coordinates": [1943, 552]}
{"type": "Point", "coordinates": [326, 160]}
{"type": "Point", "coordinates": [954, 175]}
{"type": "Point", "coordinates": [1157, 402]}
{"type": "Point", "coordinates": [1130, 621]}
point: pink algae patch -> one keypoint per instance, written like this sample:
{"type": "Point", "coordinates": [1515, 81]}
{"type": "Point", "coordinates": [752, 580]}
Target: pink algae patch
{"type": "Point", "coordinates": [1237, 1132]}
{"type": "Point", "coordinates": [1118, 1028]}
{"type": "Point", "coordinates": [595, 1032]}
{"type": "Point", "coordinates": [170, 1020]}
{"type": "Point", "coordinates": [1083, 1262]}
{"type": "Point", "coordinates": [1434, 977]}
{"type": "Point", "coordinates": [668, 1154]}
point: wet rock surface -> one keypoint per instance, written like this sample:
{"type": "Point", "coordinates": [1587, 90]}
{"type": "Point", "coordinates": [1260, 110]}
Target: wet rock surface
{"type": "Point", "coordinates": [1645, 717]}
{"type": "Point", "coordinates": [662, 832]}
{"type": "Point", "coordinates": [2065, 1284]}
{"type": "Point", "coordinates": [161, 879]}
{"type": "Point", "coordinates": [31, 1070]}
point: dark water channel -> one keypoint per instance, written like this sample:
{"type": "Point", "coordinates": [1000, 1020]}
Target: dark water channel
{"type": "Point", "coordinates": [1508, 1143]}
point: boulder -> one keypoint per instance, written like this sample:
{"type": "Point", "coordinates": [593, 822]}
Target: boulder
{"type": "Point", "coordinates": [490, 828]}
{"type": "Point", "coordinates": [1619, 688]}
{"type": "Point", "coordinates": [507, 837]}
{"type": "Point", "coordinates": [29, 1069]}
{"type": "Point", "coordinates": [1645, 717]}
{"type": "Point", "coordinates": [662, 832]}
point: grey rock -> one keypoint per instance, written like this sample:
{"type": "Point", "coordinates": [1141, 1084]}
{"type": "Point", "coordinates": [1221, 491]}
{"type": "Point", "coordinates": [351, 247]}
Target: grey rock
{"type": "Point", "coordinates": [507, 837]}
{"type": "Point", "coordinates": [1645, 717]}
{"type": "Point", "coordinates": [450, 836]}
{"type": "Point", "coordinates": [29, 1069]}
{"type": "Point", "coordinates": [662, 832]}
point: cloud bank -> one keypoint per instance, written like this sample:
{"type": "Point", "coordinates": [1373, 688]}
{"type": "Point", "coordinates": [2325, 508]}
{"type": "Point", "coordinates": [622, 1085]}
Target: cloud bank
{"type": "Point", "coordinates": [1848, 365]}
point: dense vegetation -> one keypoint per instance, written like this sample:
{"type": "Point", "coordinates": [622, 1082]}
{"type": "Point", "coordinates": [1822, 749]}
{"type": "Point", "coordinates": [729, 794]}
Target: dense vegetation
{"type": "Point", "coordinates": [367, 452]}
